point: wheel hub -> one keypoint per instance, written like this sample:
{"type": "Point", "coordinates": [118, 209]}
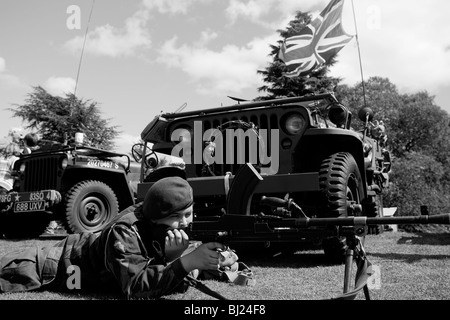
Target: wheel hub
{"type": "Point", "coordinates": [92, 211]}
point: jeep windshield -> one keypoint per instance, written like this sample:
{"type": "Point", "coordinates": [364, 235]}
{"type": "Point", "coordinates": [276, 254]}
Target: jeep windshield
{"type": "Point", "coordinates": [325, 110]}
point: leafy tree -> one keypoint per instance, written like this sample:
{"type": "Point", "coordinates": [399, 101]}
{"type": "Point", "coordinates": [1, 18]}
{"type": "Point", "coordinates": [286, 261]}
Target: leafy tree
{"type": "Point", "coordinates": [421, 126]}
{"type": "Point", "coordinates": [56, 118]}
{"type": "Point", "coordinates": [417, 181]}
{"type": "Point", "coordinates": [418, 138]}
{"type": "Point", "coordinates": [278, 85]}
{"type": "Point", "coordinates": [381, 96]}
{"type": "Point", "coordinates": [413, 121]}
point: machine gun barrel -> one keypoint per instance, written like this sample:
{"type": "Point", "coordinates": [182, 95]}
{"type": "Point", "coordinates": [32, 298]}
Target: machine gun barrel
{"type": "Point", "coordinates": [355, 221]}
{"type": "Point", "coordinates": [358, 220]}
{"type": "Point", "coordinates": [422, 219]}
{"type": "Point", "coordinates": [236, 228]}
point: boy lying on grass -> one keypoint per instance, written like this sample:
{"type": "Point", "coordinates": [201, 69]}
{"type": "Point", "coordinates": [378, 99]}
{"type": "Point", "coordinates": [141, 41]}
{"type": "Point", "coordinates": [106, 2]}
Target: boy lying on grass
{"type": "Point", "coordinates": [143, 253]}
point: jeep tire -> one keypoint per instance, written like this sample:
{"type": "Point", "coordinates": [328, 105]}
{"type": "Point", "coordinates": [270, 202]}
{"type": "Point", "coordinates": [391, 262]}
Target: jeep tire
{"type": "Point", "coordinates": [90, 206]}
{"type": "Point", "coordinates": [340, 182]}
{"type": "Point", "coordinates": [374, 208]}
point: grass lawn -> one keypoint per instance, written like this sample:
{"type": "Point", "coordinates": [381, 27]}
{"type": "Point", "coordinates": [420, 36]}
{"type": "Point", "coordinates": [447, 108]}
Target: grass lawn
{"type": "Point", "coordinates": [413, 266]}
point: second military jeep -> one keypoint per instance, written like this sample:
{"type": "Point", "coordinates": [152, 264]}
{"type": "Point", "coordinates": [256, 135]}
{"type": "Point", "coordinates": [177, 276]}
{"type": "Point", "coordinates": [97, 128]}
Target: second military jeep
{"type": "Point", "coordinates": [85, 187]}
{"type": "Point", "coordinates": [303, 147]}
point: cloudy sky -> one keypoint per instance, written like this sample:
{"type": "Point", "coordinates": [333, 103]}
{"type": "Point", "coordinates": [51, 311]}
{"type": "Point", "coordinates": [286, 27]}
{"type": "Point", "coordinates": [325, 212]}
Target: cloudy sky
{"type": "Point", "coordinates": [143, 57]}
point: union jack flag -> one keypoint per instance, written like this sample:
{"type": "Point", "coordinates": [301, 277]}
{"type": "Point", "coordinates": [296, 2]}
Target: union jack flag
{"type": "Point", "coordinates": [316, 43]}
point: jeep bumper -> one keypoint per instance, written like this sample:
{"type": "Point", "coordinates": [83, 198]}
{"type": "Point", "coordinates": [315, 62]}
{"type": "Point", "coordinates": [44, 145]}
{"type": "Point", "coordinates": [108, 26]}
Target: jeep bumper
{"type": "Point", "coordinates": [219, 185]}
{"type": "Point", "coordinates": [17, 202]}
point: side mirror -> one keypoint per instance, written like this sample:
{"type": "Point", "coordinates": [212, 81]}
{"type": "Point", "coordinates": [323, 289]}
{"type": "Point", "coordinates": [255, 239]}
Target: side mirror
{"type": "Point", "coordinates": [364, 112]}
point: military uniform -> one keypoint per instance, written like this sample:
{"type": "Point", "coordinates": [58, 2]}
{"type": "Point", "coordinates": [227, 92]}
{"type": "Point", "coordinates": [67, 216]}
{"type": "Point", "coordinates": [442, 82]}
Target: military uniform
{"type": "Point", "coordinates": [124, 258]}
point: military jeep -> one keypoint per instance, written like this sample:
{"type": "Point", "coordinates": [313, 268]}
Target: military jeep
{"type": "Point", "coordinates": [303, 147]}
{"type": "Point", "coordinates": [83, 186]}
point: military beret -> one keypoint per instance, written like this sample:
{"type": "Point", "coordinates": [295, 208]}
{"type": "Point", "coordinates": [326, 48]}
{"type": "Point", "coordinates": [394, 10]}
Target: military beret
{"type": "Point", "coordinates": [167, 196]}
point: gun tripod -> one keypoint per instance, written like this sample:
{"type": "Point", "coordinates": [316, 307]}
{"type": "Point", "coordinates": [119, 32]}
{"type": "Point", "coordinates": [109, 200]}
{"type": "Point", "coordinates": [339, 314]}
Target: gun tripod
{"type": "Point", "coordinates": [355, 252]}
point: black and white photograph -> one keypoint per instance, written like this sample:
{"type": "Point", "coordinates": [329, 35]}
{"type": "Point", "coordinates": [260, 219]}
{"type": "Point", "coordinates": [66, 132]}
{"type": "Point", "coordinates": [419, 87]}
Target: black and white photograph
{"type": "Point", "coordinates": [222, 158]}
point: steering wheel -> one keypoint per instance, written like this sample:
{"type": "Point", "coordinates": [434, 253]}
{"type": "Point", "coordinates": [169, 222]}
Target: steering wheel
{"type": "Point", "coordinates": [137, 151]}
{"type": "Point", "coordinates": [208, 168]}
{"type": "Point", "coordinates": [150, 158]}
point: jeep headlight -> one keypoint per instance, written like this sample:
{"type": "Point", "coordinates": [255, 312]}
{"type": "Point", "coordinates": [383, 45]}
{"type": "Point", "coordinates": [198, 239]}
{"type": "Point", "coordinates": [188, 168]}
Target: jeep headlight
{"type": "Point", "coordinates": [294, 124]}
{"type": "Point", "coordinates": [338, 114]}
{"type": "Point", "coordinates": [368, 153]}
{"type": "Point", "coordinates": [22, 168]}
{"type": "Point", "coordinates": [64, 162]}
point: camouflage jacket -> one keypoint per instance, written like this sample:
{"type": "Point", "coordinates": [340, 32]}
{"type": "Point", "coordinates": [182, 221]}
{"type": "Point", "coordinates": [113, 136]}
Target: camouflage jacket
{"type": "Point", "coordinates": [123, 257]}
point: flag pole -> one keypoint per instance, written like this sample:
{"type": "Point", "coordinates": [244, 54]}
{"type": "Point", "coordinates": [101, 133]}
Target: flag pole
{"type": "Point", "coordinates": [359, 55]}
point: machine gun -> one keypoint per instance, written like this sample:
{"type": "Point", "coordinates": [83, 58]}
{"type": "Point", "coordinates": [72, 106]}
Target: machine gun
{"type": "Point", "coordinates": [237, 229]}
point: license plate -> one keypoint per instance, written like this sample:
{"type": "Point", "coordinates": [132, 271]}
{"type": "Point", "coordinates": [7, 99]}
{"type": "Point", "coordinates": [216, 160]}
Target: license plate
{"type": "Point", "coordinates": [28, 206]}
{"type": "Point", "coordinates": [44, 195]}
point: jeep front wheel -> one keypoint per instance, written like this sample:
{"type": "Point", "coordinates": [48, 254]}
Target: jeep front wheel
{"type": "Point", "coordinates": [90, 206]}
{"type": "Point", "coordinates": [340, 183]}
{"type": "Point", "coordinates": [373, 207]}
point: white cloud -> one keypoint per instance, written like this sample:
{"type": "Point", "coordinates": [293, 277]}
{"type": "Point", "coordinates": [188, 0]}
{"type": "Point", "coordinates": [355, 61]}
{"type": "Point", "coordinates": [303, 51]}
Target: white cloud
{"type": "Point", "coordinates": [134, 37]}
{"type": "Point", "coordinates": [7, 79]}
{"type": "Point", "coordinates": [2, 65]}
{"type": "Point", "coordinates": [114, 42]}
{"type": "Point", "coordinates": [262, 11]}
{"type": "Point", "coordinates": [252, 10]}
{"type": "Point", "coordinates": [125, 141]}
{"type": "Point", "coordinates": [311, 6]}
{"type": "Point", "coordinates": [172, 6]}
{"type": "Point", "coordinates": [232, 69]}
{"type": "Point", "coordinates": [401, 43]}
{"type": "Point", "coordinates": [206, 37]}
{"type": "Point", "coordinates": [59, 86]}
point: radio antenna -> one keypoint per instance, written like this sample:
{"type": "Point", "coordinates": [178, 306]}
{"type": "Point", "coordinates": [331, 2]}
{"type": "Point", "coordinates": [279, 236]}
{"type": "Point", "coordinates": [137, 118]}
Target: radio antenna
{"type": "Point", "coordinates": [181, 108]}
{"type": "Point", "coordinates": [82, 50]}
{"type": "Point", "coordinates": [359, 55]}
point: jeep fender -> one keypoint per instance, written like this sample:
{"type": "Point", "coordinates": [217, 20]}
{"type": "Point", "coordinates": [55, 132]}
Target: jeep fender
{"type": "Point", "coordinates": [116, 180]}
{"type": "Point", "coordinates": [321, 143]}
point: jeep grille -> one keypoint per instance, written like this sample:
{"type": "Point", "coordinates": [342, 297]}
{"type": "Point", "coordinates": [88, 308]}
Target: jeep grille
{"type": "Point", "coordinates": [262, 120]}
{"type": "Point", "coordinates": [40, 174]}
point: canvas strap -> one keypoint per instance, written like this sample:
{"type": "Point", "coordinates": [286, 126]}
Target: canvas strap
{"type": "Point", "coordinates": [203, 288]}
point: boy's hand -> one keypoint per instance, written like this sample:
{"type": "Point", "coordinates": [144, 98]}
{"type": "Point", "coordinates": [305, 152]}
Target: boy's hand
{"type": "Point", "coordinates": [205, 257]}
{"type": "Point", "coordinates": [176, 243]}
